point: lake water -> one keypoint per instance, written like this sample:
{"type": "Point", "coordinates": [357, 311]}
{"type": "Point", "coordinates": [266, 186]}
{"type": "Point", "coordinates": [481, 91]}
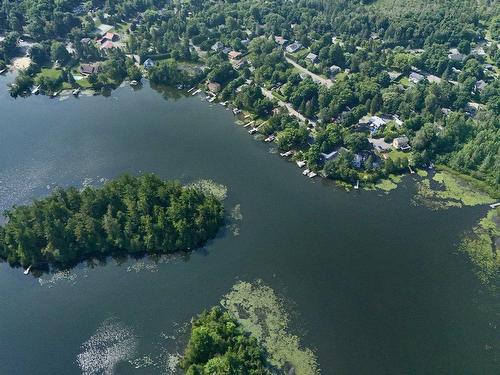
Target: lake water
{"type": "Point", "coordinates": [373, 284]}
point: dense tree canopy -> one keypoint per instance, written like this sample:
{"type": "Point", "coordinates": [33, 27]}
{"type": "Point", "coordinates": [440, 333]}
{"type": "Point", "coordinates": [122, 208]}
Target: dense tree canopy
{"type": "Point", "coordinates": [218, 345]}
{"type": "Point", "coordinates": [128, 215]}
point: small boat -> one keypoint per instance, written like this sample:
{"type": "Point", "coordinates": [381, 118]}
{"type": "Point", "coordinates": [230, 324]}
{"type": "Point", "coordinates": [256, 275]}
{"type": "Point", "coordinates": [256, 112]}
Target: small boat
{"type": "Point", "coordinates": [252, 131]}
{"type": "Point", "coordinates": [301, 164]}
{"type": "Point", "coordinates": [3, 71]}
{"type": "Point", "coordinates": [76, 91]}
{"type": "Point", "coordinates": [271, 138]}
{"type": "Point", "coordinates": [312, 174]}
{"type": "Point", "coordinates": [180, 87]}
{"type": "Point", "coordinates": [306, 172]}
{"type": "Point", "coordinates": [286, 154]}
{"type": "Point", "coordinates": [236, 111]}
{"type": "Point", "coordinates": [27, 270]}
{"type": "Point", "coordinates": [223, 103]}
{"type": "Point", "coordinates": [134, 83]}
{"type": "Point", "coordinates": [36, 90]}
{"type": "Point", "coordinates": [54, 94]}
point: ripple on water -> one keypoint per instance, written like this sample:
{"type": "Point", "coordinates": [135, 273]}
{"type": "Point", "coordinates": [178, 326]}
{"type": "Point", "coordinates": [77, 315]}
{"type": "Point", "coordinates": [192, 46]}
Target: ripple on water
{"type": "Point", "coordinates": [111, 343]}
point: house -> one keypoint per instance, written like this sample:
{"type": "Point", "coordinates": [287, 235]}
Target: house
{"type": "Point", "coordinates": [357, 161]}
{"type": "Point", "coordinates": [480, 86]}
{"type": "Point", "coordinates": [433, 78]}
{"type": "Point", "coordinates": [294, 47]}
{"type": "Point", "coordinates": [214, 87]}
{"type": "Point", "coordinates": [455, 55]}
{"type": "Point", "coordinates": [446, 111]}
{"type": "Point", "coordinates": [471, 108]}
{"type": "Point", "coordinates": [280, 40]}
{"type": "Point", "coordinates": [218, 46]}
{"type": "Point", "coordinates": [416, 77]}
{"type": "Point", "coordinates": [234, 55]}
{"type": "Point", "coordinates": [311, 57]}
{"type": "Point", "coordinates": [111, 37]}
{"type": "Point", "coordinates": [401, 143]}
{"type": "Point", "coordinates": [85, 40]}
{"type": "Point", "coordinates": [334, 69]}
{"type": "Point", "coordinates": [237, 64]}
{"type": "Point", "coordinates": [107, 45]}
{"type": "Point", "coordinates": [148, 64]}
{"type": "Point", "coordinates": [87, 69]}
{"type": "Point", "coordinates": [394, 75]}
{"type": "Point", "coordinates": [376, 123]}
{"type": "Point", "coordinates": [226, 50]}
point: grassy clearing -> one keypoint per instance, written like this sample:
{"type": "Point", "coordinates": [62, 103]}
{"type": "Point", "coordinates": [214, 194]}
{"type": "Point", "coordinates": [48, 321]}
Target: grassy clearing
{"type": "Point", "coordinates": [50, 73]}
{"type": "Point", "coordinates": [261, 312]}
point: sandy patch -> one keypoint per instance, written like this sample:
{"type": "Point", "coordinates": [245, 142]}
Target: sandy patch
{"type": "Point", "coordinates": [21, 63]}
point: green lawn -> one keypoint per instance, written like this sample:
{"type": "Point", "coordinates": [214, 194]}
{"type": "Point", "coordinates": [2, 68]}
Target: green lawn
{"type": "Point", "coordinates": [50, 73]}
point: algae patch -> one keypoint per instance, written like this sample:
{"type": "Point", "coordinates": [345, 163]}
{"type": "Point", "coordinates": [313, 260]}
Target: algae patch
{"type": "Point", "coordinates": [388, 184]}
{"type": "Point", "coordinates": [261, 313]}
{"type": "Point", "coordinates": [447, 190]}
{"type": "Point", "coordinates": [210, 187]}
{"type": "Point", "coordinates": [481, 247]}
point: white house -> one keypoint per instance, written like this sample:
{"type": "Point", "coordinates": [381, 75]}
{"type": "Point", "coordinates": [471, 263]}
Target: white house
{"type": "Point", "coordinates": [334, 69]}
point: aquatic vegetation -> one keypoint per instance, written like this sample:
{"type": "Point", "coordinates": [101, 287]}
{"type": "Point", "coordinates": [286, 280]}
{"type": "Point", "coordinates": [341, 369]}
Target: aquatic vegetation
{"type": "Point", "coordinates": [111, 343]}
{"type": "Point", "coordinates": [448, 190]}
{"type": "Point", "coordinates": [210, 187]}
{"type": "Point", "coordinates": [58, 276]}
{"type": "Point", "coordinates": [260, 312]}
{"type": "Point", "coordinates": [422, 172]}
{"type": "Point", "coordinates": [481, 248]}
{"type": "Point", "coordinates": [388, 184]}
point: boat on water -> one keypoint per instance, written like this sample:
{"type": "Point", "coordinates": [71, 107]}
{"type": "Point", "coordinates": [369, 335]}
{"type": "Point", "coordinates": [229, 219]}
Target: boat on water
{"type": "Point", "coordinates": [286, 154]}
{"type": "Point", "coordinates": [27, 270]}
{"type": "Point", "coordinates": [76, 92]}
{"type": "Point", "coordinates": [306, 172]}
{"type": "Point", "coordinates": [312, 174]}
{"type": "Point", "coordinates": [252, 131]}
{"type": "Point", "coordinates": [36, 90]}
{"type": "Point", "coordinates": [56, 93]}
{"type": "Point", "coordinates": [134, 83]}
{"type": "Point", "coordinates": [271, 138]}
{"type": "Point", "coordinates": [301, 163]}
{"type": "Point", "coordinates": [3, 71]}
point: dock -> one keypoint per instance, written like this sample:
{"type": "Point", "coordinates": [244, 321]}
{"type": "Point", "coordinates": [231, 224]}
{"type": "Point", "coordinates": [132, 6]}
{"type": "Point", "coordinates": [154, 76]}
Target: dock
{"type": "Point", "coordinates": [191, 89]}
{"type": "Point", "coordinates": [357, 185]}
{"type": "Point", "coordinates": [3, 71]}
{"type": "Point", "coordinates": [247, 125]}
{"type": "Point", "coordinates": [196, 92]}
{"type": "Point", "coordinates": [411, 170]}
{"type": "Point", "coordinates": [495, 205]}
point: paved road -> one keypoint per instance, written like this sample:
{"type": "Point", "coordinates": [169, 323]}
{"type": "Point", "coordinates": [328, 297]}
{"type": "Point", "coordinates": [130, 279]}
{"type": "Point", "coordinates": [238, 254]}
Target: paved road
{"type": "Point", "coordinates": [315, 77]}
{"type": "Point", "coordinates": [288, 106]}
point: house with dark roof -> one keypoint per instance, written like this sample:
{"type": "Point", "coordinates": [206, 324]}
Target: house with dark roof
{"type": "Point", "coordinates": [87, 69]}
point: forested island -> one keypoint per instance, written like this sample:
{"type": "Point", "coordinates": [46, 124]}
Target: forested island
{"type": "Point", "coordinates": [219, 345]}
{"type": "Point", "coordinates": [358, 91]}
{"type": "Point", "coordinates": [129, 216]}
